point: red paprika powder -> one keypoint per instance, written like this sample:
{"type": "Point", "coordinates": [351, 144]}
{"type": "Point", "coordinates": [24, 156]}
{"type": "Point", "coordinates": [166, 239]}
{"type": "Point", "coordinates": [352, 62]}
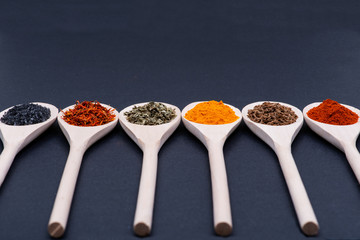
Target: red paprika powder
{"type": "Point", "coordinates": [331, 112]}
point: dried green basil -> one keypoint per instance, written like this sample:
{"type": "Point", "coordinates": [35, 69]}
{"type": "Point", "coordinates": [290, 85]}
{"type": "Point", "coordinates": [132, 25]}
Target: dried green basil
{"type": "Point", "coordinates": [152, 113]}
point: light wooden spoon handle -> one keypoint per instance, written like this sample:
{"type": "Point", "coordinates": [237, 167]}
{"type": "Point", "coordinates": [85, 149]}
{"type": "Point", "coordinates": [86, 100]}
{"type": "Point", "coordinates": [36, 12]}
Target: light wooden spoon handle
{"type": "Point", "coordinates": [61, 209]}
{"type": "Point", "coordinates": [303, 208]}
{"type": "Point", "coordinates": [220, 190]}
{"type": "Point", "coordinates": [146, 195]}
{"type": "Point", "coordinates": [6, 158]}
{"type": "Point", "coordinates": [353, 157]}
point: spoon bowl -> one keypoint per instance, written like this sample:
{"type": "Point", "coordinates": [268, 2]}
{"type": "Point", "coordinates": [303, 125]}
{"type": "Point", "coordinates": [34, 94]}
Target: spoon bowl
{"type": "Point", "coordinates": [274, 136]}
{"type": "Point", "coordinates": [80, 138]}
{"type": "Point", "coordinates": [341, 136]}
{"type": "Point", "coordinates": [214, 137]}
{"type": "Point", "coordinates": [279, 138]}
{"type": "Point", "coordinates": [149, 139]}
{"type": "Point", "coordinates": [15, 138]}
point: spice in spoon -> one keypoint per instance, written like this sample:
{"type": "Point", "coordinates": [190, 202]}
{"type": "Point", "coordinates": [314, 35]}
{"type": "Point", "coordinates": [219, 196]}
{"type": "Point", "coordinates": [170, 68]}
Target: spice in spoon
{"type": "Point", "coordinates": [152, 113]}
{"type": "Point", "coordinates": [26, 114]}
{"type": "Point", "coordinates": [88, 113]}
{"type": "Point", "coordinates": [331, 112]}
{"type": "Point", "coordinates": [272, 114]}
{"type": "Point", "coordinates": [211, 112]}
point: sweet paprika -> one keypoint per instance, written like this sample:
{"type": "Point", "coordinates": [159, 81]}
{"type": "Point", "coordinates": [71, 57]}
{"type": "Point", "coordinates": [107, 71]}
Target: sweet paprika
{"type": "Point", "coordinates": [331, 112]}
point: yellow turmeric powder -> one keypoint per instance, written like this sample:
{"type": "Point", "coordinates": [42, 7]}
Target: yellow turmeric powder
{"type": "Point", "coordinates": [211, 112]}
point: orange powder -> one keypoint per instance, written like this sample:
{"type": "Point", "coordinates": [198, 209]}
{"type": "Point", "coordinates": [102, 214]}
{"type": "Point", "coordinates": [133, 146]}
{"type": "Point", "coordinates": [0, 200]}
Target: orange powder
{"type": "Point", "coordinates": [211, 112]}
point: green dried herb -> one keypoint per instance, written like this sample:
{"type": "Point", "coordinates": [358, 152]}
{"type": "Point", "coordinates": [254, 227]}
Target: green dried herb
{"type": "Point", "coordinates": [152, 113]}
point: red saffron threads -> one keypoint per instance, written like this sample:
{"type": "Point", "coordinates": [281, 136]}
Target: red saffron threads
{"type": "Point", "coordinates": [88, 113]}
{"type": "Point", "coordinates": [331, 112]}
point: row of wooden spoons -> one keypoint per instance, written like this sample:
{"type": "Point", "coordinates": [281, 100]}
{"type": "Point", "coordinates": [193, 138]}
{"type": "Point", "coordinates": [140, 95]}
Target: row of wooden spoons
{"type": "Point", "coordinates": [151, 138]}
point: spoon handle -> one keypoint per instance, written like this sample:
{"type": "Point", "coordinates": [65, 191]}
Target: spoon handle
{"type": "Point", "coordinates": [146, 195]}
{"type": "Point", "coordinates": [61, 209]}
{"type": "Point", "coordinates": [353, 157]}
{"type": "Point", "coordinates": [220, 190]}
{"type": "Point", "coordinates": [6, 158]}
{"type": "Point", "coordinates": [303, 208]}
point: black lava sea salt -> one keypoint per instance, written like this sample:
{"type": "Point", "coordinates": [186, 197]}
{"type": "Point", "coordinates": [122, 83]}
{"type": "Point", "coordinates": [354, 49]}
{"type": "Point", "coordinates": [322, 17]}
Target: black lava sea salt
{"type": "Point", "coordinates": [26, 114]}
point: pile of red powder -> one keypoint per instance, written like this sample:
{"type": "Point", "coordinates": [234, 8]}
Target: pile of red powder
{"type": "Point", "coordinates": [331, 112]}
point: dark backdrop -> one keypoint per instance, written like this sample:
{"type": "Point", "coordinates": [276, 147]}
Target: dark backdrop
{"type": "Point", "coordinates": [178, 52]}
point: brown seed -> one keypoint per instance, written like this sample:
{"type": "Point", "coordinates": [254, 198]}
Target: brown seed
{"type": "Point", "coordinates": [272, 114]}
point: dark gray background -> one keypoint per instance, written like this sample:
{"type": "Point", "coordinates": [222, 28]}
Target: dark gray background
{"type": "Point", "coordinates": [177, 52]}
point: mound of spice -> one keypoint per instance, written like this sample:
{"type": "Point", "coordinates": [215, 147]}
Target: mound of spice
{"type": "Point", "coordinates": [331, 112]}
{"type": "Point", "coordinates": [88, 113]}
{"type": "Point", "coordinates": [272, 114]}
{"type": "Point", "coordinates": [152, 113]}
{"type": "Point", "coordinates": [211, 112]}
{"type": "Point", "coordinates": [26, 114]}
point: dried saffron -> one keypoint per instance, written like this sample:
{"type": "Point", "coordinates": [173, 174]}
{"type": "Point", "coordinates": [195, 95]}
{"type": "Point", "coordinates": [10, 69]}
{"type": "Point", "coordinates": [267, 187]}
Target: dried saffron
{"type": "Point", "coordinates": [331, 112]}
{"type": "Point", "coordinates": [211, 112]}
{"type": "Point", "coordinates": [88, 113]}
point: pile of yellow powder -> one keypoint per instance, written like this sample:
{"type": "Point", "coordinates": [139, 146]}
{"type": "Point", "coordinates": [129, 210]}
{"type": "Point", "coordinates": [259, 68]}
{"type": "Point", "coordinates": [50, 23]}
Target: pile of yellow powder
{"type": "Point", "coordinates": [211, 112]}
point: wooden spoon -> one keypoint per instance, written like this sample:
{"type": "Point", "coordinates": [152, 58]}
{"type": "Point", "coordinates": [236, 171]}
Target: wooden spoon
{"type": "Point", "coordinates": [149, 139]}
{"type": "Point", "coordinates": [16, 138]}
{"type": "Point", "coordinates": [80, 139]}
{"type": "Point", "coordinates": [341, 136]}
{"type": "Point", "coordinates": [214, 137]}
{"type": "Point", "coordinates": [279, 138]}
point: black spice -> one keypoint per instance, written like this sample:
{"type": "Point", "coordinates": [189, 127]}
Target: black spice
{"type": "Point", "coordinates": [150, 114]}
{"type": "Point", "coordinates": [272, 114]}
{"type": "Point", "coordinates": [26, 114]}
